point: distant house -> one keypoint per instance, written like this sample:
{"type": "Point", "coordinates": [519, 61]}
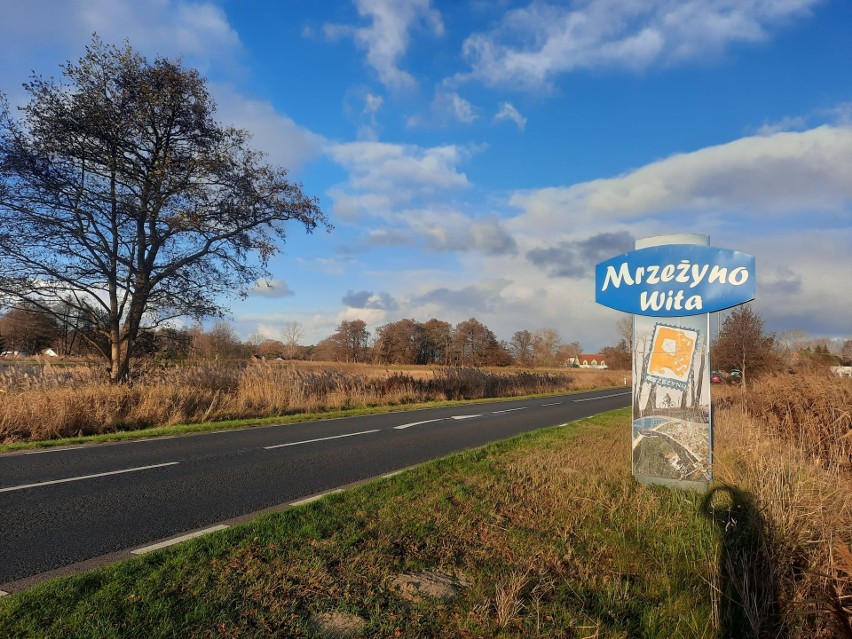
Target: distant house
{"type": "Point", "coordinates": [591, 360]}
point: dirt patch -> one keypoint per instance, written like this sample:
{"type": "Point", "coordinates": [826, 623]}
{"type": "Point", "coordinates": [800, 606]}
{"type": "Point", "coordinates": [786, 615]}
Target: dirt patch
{"type": "Point", "coordinates": [337, 625]}
{"type": "Point", "coordinates": [431, 584]}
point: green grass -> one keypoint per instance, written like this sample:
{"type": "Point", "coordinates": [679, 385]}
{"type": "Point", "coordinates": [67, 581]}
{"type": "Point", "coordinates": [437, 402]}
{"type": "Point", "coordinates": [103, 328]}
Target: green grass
{"type": "Point", "coordinates": [554, 535]}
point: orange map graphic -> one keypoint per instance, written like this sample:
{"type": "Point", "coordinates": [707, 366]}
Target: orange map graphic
{"type": "Point", "coordinates": [671, 352]}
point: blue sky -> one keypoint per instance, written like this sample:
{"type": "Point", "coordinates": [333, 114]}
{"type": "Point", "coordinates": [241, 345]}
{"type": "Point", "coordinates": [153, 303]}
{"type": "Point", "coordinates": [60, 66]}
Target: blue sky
{"type": "Point", "coordinates": [478, 158]}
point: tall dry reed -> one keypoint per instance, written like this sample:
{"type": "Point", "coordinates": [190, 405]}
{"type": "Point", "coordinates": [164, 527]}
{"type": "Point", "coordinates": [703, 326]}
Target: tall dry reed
{"type": "Point", "coordinates": [785, 442]}
{"type": "Point", "coordinates": [57, 402]}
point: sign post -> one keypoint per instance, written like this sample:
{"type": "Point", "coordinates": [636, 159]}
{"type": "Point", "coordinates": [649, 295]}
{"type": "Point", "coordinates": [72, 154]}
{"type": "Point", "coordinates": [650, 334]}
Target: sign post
{"type": "Point", "coordinates": [671, 283]}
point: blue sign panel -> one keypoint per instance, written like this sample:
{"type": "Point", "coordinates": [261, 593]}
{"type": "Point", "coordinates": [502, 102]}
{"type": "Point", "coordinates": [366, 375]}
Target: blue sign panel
{"type": "Point", "coordinates": [674, 280]}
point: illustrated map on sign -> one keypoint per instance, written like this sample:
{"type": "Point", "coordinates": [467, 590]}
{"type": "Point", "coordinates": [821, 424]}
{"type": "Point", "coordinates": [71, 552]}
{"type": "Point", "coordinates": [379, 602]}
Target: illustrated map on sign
{"type": "Point", "coordinates": [671, 406]}
{"type": "Point", "coordinates": [672, 351]}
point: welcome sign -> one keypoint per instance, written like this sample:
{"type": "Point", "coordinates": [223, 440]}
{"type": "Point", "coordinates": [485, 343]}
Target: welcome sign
{"type": "Point", "coordinates": [670, 284]}
{"type": "Point", "coordinates": [674, 280]}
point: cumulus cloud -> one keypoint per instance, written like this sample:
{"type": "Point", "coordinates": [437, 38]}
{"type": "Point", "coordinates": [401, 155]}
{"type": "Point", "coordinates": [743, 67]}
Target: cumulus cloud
{"type": "Point", "coordinates": [778, 174]}
{"type": "Point", "coordinates": [458, 232]}
{"type": "Point", "coordinates": [271, 288]}
{"type": "Point", "coordinates": [382, 175]}
{"type": "Point", "coordinates": [577, 258]}
{"type": "Point", "coordinates": [533, 44]}
{"type": "Point", "coordinates": [791, 123]}
{"type": "Point", "coordinates": [441, 230]}
{"type": "Point", "coordinates": [801, 277]}
{"type": "Point", "coordinates": [459, 108]}
{"type": "Point", "coordinates": [782, 281]}
{"type": "Point", "coordinates": [483, 296]}
{"type": "Point", "coordinates": [508, 112]}
{"type": "Point", "coordinates": [386, 167]}
{"type": "Point", "coordinates": [447, 107]}
{"type": "Point", "coordinates": [386, 38]}
{"type": "Point", "coordinates": [285, 142]}
{"type": "Point", "coordinates": [369, 300]}
{"type": "Point", "coordinates": [197, 30]}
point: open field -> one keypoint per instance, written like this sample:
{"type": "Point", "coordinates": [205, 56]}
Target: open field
{"type": "Point", "coordinates": [545, 535]}
{"type": "Point", "coordinates": [50, 402]}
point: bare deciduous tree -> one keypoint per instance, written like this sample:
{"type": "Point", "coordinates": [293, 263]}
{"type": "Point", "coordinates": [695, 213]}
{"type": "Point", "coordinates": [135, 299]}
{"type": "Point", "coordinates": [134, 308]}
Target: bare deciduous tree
{"type": "Point", "coordinates": [121, 195]}
{"type": "Point", "coordinates": [438, 336]}
{"type": "Point", "coordinates": [546, 343]}
{"type": "Point", "coordinates": [521, 347]}
{"type": "Point", "coordinates": [401, 342]}
{"type": "Point", "coordinates": [347, 344]}
{"type": "Point", "coordinates": [291, 335]}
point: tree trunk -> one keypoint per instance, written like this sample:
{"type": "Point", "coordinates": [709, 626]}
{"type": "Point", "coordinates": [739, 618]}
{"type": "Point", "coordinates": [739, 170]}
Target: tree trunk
{"type": "Point", "coordinates": [118, 365]}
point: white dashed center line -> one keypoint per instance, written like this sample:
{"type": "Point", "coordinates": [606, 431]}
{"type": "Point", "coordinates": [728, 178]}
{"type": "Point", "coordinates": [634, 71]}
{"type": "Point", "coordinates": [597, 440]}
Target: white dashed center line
{"type": "Point", "coordinates": [592, 399]}
{"type": "Point", "coordinates": [322, 439]}
{"type": "Point", "coordinates": [62, 481]}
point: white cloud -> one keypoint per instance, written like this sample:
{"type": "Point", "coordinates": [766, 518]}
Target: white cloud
{"type": "Point", "coordinates": [398, 172]}
{"type": "Point", "coordinates": [447, 107]}
{"type": "Point", "coordinates": [386, 39]}
{"type": "Point", "coordinates": [780, 174]}
{"type": "Point", "coordinates": [286, 143]}
{"type": "Point", "coordinates": [369, 129]}
{"type": "Point", "coordinates": [198, 30]}
{"type": "Point", "coordinates": [790, 123]}
{"type": "Point", "coordinates": [271, 288]}
{"type": "Point", "coordinates": [369, 300]}
{"type": "Point", "coordinates": [803, 278]}
{"type": "Point", "coordinates": [444, 230]}
{"type": "Point", "coordinates": [509, 112]}
{"type": "Point", "coordinates": [461, 109]}
{"type": "Point", "coordinates": [534, 44]}
{"type": "Point", "coordinates": [784, 198]}
{"type": "Point", "coordinates": [401, 192]}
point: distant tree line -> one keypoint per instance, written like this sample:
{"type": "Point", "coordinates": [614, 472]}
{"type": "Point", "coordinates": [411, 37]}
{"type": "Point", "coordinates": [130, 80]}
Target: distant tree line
{"type": "Point", "coordinates": [742, 343]}
{"type": "Point", "coordinates": [436, 342]}
{"type": "Point", "coordinates": [29, 330]}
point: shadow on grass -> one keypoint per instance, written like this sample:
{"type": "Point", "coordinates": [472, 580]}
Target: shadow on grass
{"type": "Point", "coordinates": [748, 581]}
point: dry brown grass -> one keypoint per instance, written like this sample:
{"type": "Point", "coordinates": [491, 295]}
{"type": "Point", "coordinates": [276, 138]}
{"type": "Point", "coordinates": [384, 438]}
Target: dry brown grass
{"type": "Point", "coordinates": [51, 402]}
{"type": "Point", "coordinates": [786, 443]}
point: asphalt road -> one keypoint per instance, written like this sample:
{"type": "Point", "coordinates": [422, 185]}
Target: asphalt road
{"type": "Point", "coordinates": [66, 509]}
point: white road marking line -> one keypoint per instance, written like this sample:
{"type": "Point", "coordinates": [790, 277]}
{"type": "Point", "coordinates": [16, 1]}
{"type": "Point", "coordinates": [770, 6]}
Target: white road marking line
{"type": "Point", "coordinates": [464, 416]}
{"type": "Point", "coordinates": [177, 540]}
{"type": "Point", "coordinates": [322, 439]}
{"type": "Point", "coordinates": [553, 404]}
{"type": "Point", "coordinates": [591, 399]}
{"type": "Point", "coordinates": [52, 450]}
{"type": "Point", "coordinates": [508, 410]}
{"type": "Point", "coordinates": [428, 421]}
{"type": "Point", "coordinates": [61, 481]}
{"type": "Point", "coordinates": [308, 500]}
{"type": "Point", "coordinates": [151, 439]}
{"type": "Point", "coordinates": [393, 474]}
